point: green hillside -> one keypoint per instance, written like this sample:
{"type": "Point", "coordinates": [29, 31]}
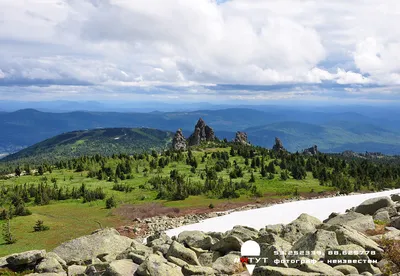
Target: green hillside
{"type": "Point", "coordinates": [107, 141]}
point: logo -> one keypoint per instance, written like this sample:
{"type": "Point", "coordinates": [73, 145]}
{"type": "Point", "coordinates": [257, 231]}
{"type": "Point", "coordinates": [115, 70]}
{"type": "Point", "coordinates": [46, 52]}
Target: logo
{"type": "Point", "coordinates": [249, 251]}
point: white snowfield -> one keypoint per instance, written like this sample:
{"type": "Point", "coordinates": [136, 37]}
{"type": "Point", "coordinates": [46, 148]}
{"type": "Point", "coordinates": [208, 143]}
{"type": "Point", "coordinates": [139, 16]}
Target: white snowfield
{"type": "Point", "coordinates": [280, 213]}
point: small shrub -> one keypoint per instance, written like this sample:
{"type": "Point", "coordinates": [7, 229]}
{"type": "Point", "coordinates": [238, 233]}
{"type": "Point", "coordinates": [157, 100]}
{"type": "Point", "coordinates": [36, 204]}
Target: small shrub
{"type": "Point", "coordinates": [39, 226]}
{"type": "Point", "coordinates": [211, 206]}
{"type": "Point", "coordinates": [391, 252]}
{"type": "Point", "coordinates": [111, 203]}
{"type": "Point", "coordinates": [379, 222]}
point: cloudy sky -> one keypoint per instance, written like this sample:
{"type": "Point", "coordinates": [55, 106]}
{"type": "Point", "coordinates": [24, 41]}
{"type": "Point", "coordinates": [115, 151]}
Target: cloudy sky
{"type": "Point", "coordinates": [200, 50]}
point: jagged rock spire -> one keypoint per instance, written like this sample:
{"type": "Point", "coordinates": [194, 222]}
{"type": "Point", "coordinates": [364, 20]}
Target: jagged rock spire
{"type": "Point", "coordinates": [202, 132]}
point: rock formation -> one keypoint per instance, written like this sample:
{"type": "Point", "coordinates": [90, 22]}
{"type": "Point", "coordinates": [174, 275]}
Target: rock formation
{"type": "Point", "coordinates": [241, 137]}
{"type": "Point", "coordinates": [311, 151]}
{"type": "Point", "coordinates": [202, 132]}
{"type": "Point", "coordinates": [278, 145]}
{"type": "Point", "coordinates": [179, 141]}
{"type": "Point", "coordinates": [106, 252]}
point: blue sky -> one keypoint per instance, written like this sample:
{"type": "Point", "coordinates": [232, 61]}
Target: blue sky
{"type": "Point", "coordinates": [200, 50]}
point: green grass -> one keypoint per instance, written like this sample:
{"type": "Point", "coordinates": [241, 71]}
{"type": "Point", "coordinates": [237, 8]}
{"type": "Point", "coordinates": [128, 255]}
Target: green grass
{"type": "Point", "coordinates": [70, 219]}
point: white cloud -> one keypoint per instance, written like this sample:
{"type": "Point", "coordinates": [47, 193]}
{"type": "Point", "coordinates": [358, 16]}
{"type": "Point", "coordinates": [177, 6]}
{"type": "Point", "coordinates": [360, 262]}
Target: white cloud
{"type": "Point", "coordinates": [193, 42]}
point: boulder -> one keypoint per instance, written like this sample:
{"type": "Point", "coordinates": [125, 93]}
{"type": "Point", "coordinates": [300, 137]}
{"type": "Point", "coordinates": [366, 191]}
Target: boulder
{"type": "Point", "coordinates": [207, 259]}
{"type": "Point", "coordinates": [395, 223]}
{"type": "Point", "coordinates": [76, 270]}
{"type": "Point", "coordinates": [179, 141]}
{"type": "Point", "coordinates": [158, 239]}
{"type": "Point", "coordinates": [395, 197]}
{"type": "Point", "coordinates": [274, 239]}
{"type": "Point", "coordinates": [382, 216]}
{"type": "Point", "coordinates": [49, 264]}
{"type": "Point", "coordinates": [157, 265]}
{"type": "Point", "coordinates": [196, 239]}
{"type": "Point", "coordinates": [241, 138]}
{"type": "Point", "coordinates": [26, 258]}
{"type": "Point", "coordinates": [244, 233]}
{"type": "Point", "coordinates": [358, 221]}
{"type": "Point", "coordinates": [121, 268]}
{"type": "Point", "coordinates": [47, 274]}
{"type": "Point", "coordinates": [179, 251]}
{"type": "Point", "coordinates": [189, 270]}
{"type": "Point", "coordinates": [273, 228]}
{"type": "Point", "coordinates": [318, 267]}
{"type": "Point", "coordinates": [370, 206]}
{"type": "Point", "coordinates": [344, 254]}
{"type": "Point", "coordinates": [106, 241]}
{"type": "Point", "coordinates": [302, 225]}
{"type": "Point", "coordinates": [347, 235]}
{"type": "Point", "coordinates": [346, 269]}
{"type": "Point", "coordinates": [391, 210]}
{"type": "Point", "coordinates": [311, 151]}
{"type": "Point", "coordinates": [316, 241]}
{"type": "Point", "coordinates": [269, 252]}
{"type": "Point", "coordinates": [228, 244]}
{"type": "Point", "coordinates": [228, 265]}
{"type": "Point", "coordinates": [3, 261]}
{"type": "Point", "coordinates": [279, 271]}
{"type": "Point", "coordinates": [391, 234]}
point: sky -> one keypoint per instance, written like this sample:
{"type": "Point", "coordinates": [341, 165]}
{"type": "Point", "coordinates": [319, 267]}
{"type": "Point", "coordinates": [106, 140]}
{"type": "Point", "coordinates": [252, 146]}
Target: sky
{"type": "Point", "coordinates": [200, 50]}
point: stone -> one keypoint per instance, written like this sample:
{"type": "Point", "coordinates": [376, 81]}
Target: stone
{"type": "Point", "coordinates": [176, 261]}
{"type": "Point", "coordinates": [55, 256]}
{"type": "Point", "coordinates": [347, 235]}
{"type": "Point", "coordinates": [3, 261]}
{"type": "Point", "coordinates": [228, 244]}
{"type": "Point", "coordinates": [228, 265]}
{"type": "Point", "coordinates": [319, 267]}
{"type": "Point", "coordinates": [279, 271]}
{"type": "Point", "coordinates": [278, 146]}
{"type": "Point", "coordinates": [311, 151]}
{"type": "Point", "coordinates": [76, 270]}
{"type": "Point", "coordinates": [358, 221]}
{"type": "Point", "coordinates": [202, 133]}
{"type": "Point", "coordinates": [370, 206]}
{"type": "Point", "coordinates": [25, 258]}
{"type": "Point", "coordinates": [49, 264]}
{"type": "Point", "coordinates": [106, 241]}
{"type": "Point", "coordinates": [268, 251]}
{"type": "Point", "coordinates": [179, 251]}
{"type": "Point", "coordinates": [273, 228]}
{"type": "Point", "coordinates": [196, 239]}
{"type": "Point", "coordinates": [346, 269]}
{"type": "Point", "coordinates": [391, 210]}
{"type": "Point", "coordinates": [244, 233]}
{"type": "Point", "coordinates": [47, 274]}
{"type": "Point", "coordinates": [300, 226]}
{"type": "Point", "coordinates": [274, 239]}
{"type": "Point", "coordinates": [157, 265]}
{"type": "Point", "coordinates": [316, 241]}
{"type": "Point", "coordinates": [382, 216]}
{"type": "Point", "coordinates": [207, 259]}
{"type": "Point", "coordinates": [387, 266]}
{"type": "Point", "coordinates": [189, 270]}
{"type": "Point", "coordinates": [343, 254]}
{"type": "Point", "coordinates": [241, 138]}
{"type": "Point", "coordinates": [395, 223]}
{"type": "Point", "coordinates": [395, 197]}
{"type": "Point", "coordinates": [121, 268]}
{"type": "Point", "coordinates": [179, 141]}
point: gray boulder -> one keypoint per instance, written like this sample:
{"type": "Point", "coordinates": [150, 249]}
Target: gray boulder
{"type": "Point", "coordinates": [275, 240]}
{"type": "Point", "coordinates": [395, 223]}
{"type": "Point", "coordinates": [347, 235]}
{"type": "Point", "coordinates": [121, 268]}
{"type": "Point", "coordinates": [179, 251]}
{"type": "Point", "coordinates": [316, 241]}
{"type": "Point", "coordinates": [279, 271]}
{"type": "Point", "coordinates": [207, 259]}
{"type": "Point", "coordinates": [319, 267]}
{"type": "Point", "coordinates": [76, 270]}
{"type": "Point", "coordinates": [302, 225]}
{"type": "Point", "coordinates": [196, 239]}
{"type": "Point", "coordinates": [189, 270]}
{"type": "Point", "coordinates": [273, 228]}
{"type": "Point", "coordinates": [26, 258]}
{"type": "Point", "coordinates": [228, 265]}
{"type": "Point", "coordinates": [382, 216]}
{"type": "Point", "coordinates": [395, 197]}
{"type": "Point", "coordinates": [228, 244]}
{"type": "Point", "coordinates": [49, 264]}
{"type": "Point", "coordinates": [358, 221]}
{"type": "Point", "coordinates": [370, 206]}
{"type": "Point", "coordinates": [106, 241]}
{"type": "Point", "coordinates": [157, 265]}
{"type": "Point", "coordinates": [346, 269]}
{"type": "Point", "coordinates": [269, 251]}
{"type": "Point", "coordinates": [244, 233]}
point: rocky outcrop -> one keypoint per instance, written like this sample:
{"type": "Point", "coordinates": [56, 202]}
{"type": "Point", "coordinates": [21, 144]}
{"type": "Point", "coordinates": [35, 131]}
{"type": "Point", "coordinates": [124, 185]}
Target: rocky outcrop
{"type": "Point", "coordinates": [278, 146]}
{"type": "Point", "coordinates": [336, 247]}
{"type": "Point", "coordinates": [202, 133]}
{"type": "Point", "coordinates": [179, 141]}
{"type": "Point", "coordinates": [241, 138]}
{"type": "Point", "coordinates": [311, 151]}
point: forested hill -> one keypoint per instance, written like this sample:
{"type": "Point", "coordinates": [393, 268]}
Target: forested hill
{"type": "Point", "coordinates": [105, 141]}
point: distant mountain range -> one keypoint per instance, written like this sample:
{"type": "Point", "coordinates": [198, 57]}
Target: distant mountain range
{"type": "Point", "coordinates": [332, 131]}
{"type": "Point", "coordinates": [97, 141]}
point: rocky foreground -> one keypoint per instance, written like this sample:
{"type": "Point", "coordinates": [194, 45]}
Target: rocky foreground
{"type": "Point", "coordinates": [344, 244]}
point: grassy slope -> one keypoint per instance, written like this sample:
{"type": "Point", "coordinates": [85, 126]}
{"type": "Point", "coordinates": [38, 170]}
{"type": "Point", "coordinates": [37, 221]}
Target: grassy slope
{"type": "Point", "coordinates": [71, 219]}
